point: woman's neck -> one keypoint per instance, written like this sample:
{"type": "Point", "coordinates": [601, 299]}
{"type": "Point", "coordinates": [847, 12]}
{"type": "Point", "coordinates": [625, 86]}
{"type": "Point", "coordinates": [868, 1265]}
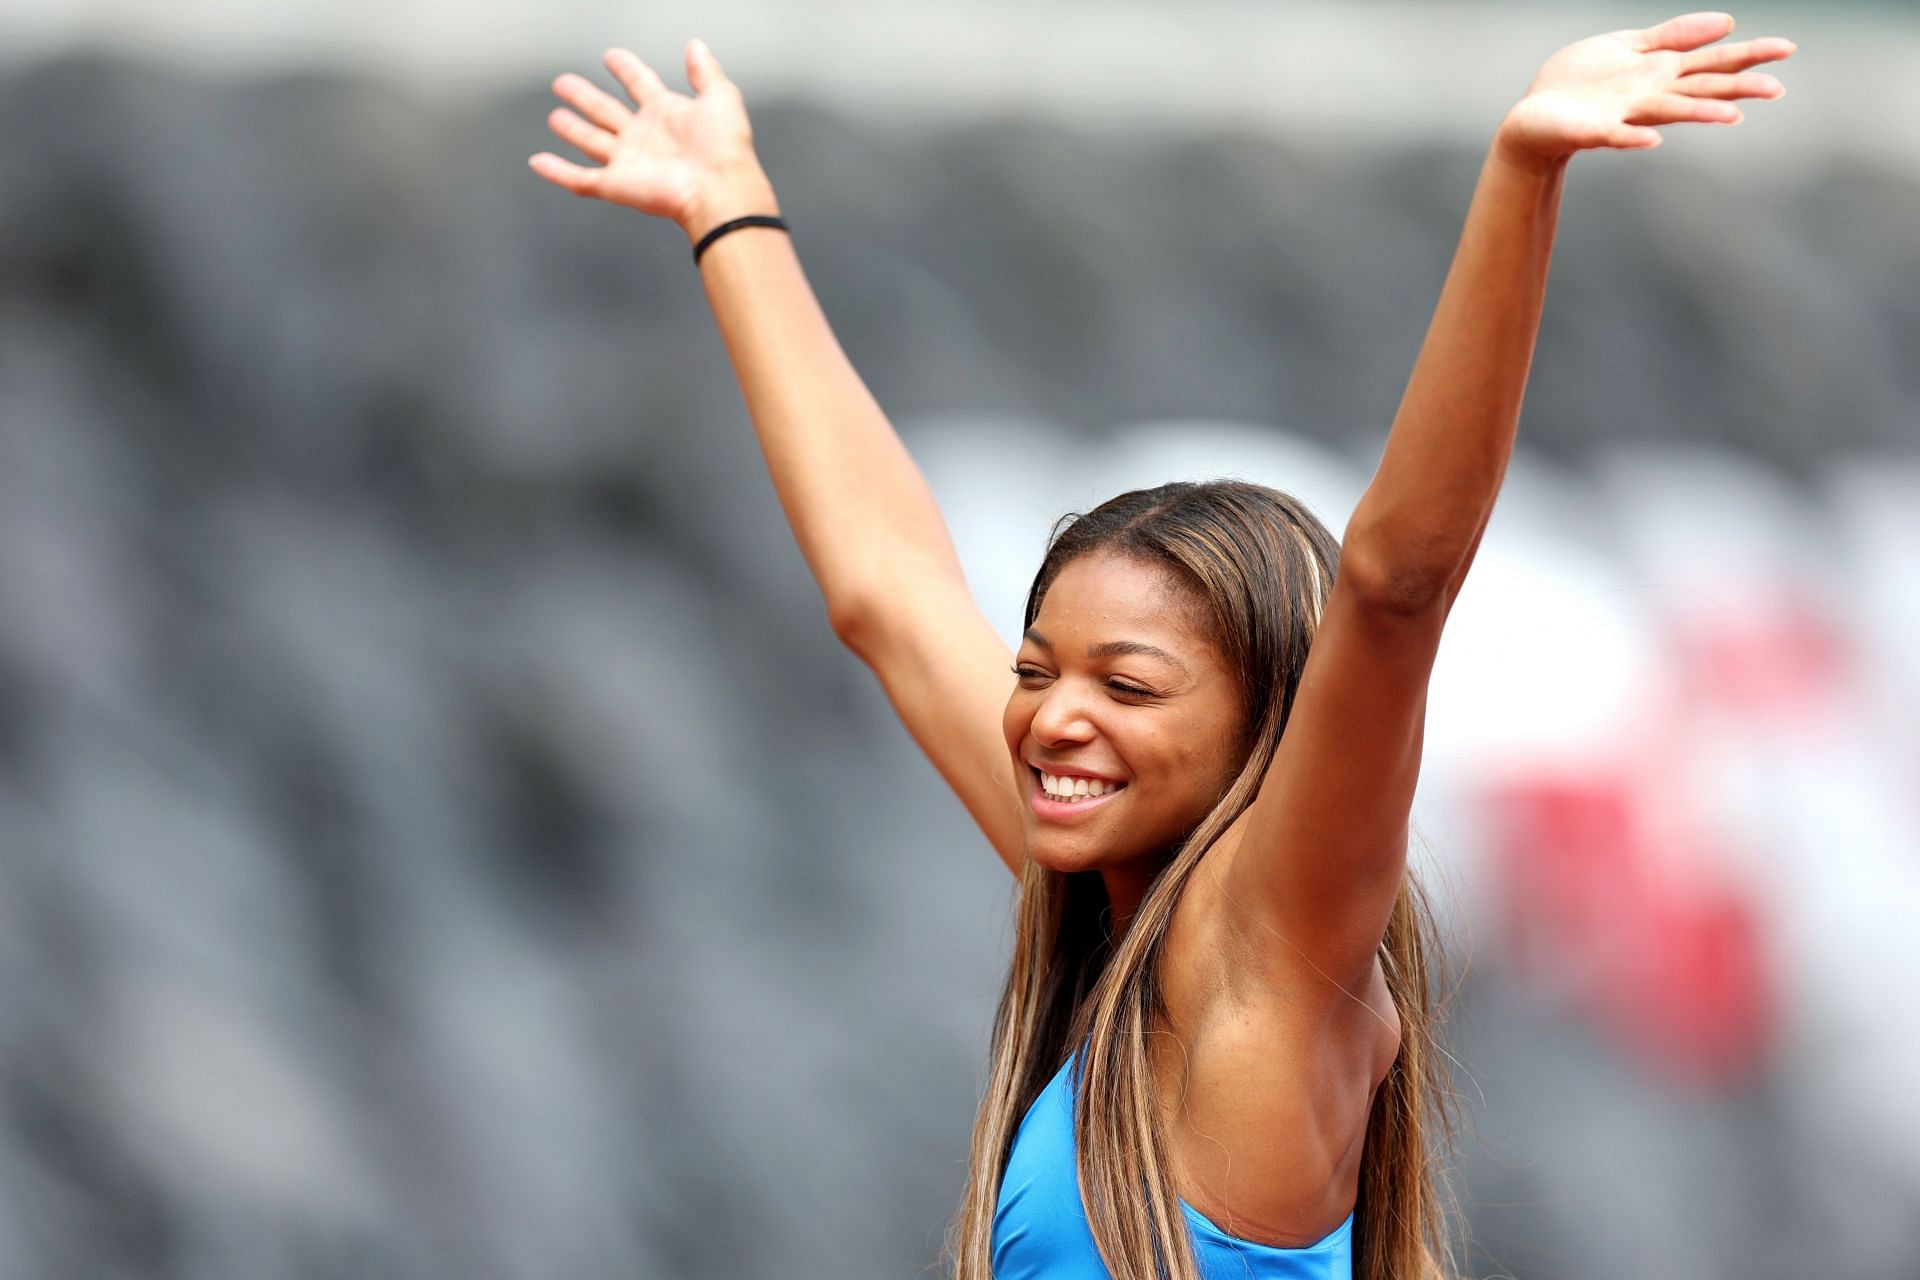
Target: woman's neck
{"type": "Point", "coordinates": [1126, 890]}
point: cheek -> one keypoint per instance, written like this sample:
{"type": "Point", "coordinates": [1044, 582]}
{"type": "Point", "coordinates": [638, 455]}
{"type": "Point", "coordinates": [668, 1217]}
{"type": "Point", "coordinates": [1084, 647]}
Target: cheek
{"type": "Point", "coordinates": [1207, 754]}
{"type": "Point", "coordinates": [1014, 719]}
{"type": "Point", "coordinates": [1194, 745]}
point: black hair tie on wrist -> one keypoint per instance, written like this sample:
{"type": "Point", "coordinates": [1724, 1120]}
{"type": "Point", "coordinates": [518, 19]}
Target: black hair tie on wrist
{"type": "Point", "coordinates": [751, 220]}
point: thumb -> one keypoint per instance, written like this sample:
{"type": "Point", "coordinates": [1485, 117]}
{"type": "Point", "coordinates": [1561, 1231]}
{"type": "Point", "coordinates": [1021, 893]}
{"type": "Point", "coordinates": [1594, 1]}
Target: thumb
{"type": "Point", "coordinates": [703, 69]}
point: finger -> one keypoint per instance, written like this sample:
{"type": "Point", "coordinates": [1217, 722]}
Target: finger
{"type": "Point", "coordinates": [595, 103]}
{"type": "Point", "coordinates": [1689, 31]}
{"type": "Point", "coordinates": [1752, 85]}
{"type": "Point", "coordinates": [1628, 138]}
{"type": "Point", "coordinates": [564, 173]}
{"type": "Point", "coordinates": [704, 72]}
{"type": "Point", "coordinates": [642, 83]}
{"type": "Point", "coordinates": [1738, 57]}
{"type": "Point", "coordinates": [1678, 108]}
{"type": "Point", "coordinates": [597, 143]}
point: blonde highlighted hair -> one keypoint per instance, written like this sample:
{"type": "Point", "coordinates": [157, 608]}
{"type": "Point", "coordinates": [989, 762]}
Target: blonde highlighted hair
{"type": "Point", "coordinates": [1265, 566]}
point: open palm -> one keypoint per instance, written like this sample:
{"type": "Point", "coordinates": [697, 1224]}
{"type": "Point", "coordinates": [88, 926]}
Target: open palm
{"type": "Point", "coordinates": [1609, 91]}
{"type": "Point", "coordinates": [658, 156]}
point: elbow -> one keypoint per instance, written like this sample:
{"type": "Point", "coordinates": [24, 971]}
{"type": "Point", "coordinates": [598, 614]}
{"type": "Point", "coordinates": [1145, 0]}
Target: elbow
{"type": "Point", "coordinates": [851, 618]}
{"type": "Point", "coordinates": [1395, 584]}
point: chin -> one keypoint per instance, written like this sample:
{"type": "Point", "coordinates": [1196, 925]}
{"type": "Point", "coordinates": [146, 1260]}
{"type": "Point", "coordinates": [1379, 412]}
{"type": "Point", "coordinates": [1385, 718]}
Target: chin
{"type": "Point", "coordinates": [1054, 854]}
{"type": "Point", "coordinates": [1064, 862]}
{"type": "Point", "coordinates": [1068, 857]}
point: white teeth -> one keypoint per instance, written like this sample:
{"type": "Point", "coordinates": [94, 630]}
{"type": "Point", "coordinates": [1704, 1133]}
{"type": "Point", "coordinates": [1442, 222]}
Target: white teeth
{"type": "Point", "coordinates": [1072, 789]}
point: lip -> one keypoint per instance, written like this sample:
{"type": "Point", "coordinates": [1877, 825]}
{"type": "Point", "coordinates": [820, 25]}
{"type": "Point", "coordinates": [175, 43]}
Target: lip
{"type": "Point", "coordinates": [1051, 810]}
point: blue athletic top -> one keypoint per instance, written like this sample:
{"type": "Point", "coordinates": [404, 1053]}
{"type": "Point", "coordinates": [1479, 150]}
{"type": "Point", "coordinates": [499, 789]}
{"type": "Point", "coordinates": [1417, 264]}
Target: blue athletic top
{"type": "Point", "coordinates": [1040, 1231]}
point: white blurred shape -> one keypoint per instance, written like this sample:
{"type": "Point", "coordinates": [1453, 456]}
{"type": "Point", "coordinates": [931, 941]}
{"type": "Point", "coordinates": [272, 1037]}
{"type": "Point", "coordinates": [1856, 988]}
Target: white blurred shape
{"type": "Point", "coordinates": [1714, 526]}
{"type": "Point", "coordinates": [1002, 484]}
{"type": "Point", "coordinates": [1145, 454]}
{"type": "Point", "coordinates": [1794, 774]}
{"type": "Point", "coordinates": [1875, 503]}
{"type": "Point", "coordinates": [1548, 656]}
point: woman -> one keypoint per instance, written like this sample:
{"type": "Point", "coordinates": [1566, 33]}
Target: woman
{"type": "Point", "coordinates": [1214, 1054]}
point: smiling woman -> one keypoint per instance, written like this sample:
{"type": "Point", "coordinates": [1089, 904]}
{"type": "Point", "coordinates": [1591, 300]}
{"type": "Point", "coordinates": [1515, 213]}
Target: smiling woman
{"type": "Point", "coordinates": [1167, 634]}
{"type": "Point", "coordinates": [1215, 1052]}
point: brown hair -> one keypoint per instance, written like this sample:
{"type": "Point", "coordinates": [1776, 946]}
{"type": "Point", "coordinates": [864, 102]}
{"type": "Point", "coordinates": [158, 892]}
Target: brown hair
{"type": "Point", "coordinates": [1265, 566]}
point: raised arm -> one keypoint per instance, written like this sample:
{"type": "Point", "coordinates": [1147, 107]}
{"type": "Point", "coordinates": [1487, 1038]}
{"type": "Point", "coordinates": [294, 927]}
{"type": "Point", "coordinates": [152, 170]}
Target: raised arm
{"type": "Point", "coordinates": [863, 515]}
{"type": "Point", "coordinates": [1313, 878]}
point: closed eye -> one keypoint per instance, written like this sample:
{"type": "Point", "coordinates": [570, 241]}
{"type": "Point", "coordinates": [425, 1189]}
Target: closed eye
{"type": "Point", "coordinates": [1025, 672]}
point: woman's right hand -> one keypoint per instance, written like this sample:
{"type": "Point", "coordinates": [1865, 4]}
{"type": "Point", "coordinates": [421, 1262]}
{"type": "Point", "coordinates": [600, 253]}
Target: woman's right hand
{"type": "Point", "coordinates": [673, 156]}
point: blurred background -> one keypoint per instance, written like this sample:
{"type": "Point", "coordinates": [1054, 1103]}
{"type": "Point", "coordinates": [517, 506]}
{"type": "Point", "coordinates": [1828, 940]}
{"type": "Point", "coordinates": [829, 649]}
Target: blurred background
{"type": "Point", "coordinates": [439, 835]}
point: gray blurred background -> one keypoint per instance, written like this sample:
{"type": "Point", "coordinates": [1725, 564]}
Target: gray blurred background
{"type": "Point", "coordinates": [439, 835]}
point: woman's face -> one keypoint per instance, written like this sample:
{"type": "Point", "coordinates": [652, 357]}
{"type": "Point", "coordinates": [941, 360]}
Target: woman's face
{"type": "Point", "coordinates": [1120, 689]}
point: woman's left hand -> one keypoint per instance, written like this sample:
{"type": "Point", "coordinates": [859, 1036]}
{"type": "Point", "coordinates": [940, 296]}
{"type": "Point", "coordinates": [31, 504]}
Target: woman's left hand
{"type": "Point", "coordinates": [1611, 90]}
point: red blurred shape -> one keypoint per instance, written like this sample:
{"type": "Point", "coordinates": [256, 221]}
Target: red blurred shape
{"type": "Point", "coordinates": [1561, 856]}
{"type": "Point", "coordinates": [1781, 656]}
{"type": "Point", "coordinates": [1661, 948]}
{"type": "Point", "coordinates": [1696, 996]}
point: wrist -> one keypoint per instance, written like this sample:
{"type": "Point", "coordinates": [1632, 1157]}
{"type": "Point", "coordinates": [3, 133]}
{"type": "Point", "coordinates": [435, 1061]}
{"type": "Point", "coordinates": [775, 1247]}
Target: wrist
{"type": "Point", "coordinates": [1515, 156]}
{"type": "Point", "coordinates": [735, 195]}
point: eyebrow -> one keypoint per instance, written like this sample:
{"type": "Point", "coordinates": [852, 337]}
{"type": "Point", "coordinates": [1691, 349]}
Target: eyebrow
{"type": "Point", "coordinates": [1115, 649]}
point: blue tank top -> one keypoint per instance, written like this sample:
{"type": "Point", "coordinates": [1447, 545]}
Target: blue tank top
{"type": "Point", "coordinates": [1040, 1230]}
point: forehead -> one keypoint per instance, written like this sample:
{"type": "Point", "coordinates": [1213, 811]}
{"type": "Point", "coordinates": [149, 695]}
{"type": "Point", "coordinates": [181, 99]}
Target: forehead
{"type": "Point", "coordinates": [1103, 596]}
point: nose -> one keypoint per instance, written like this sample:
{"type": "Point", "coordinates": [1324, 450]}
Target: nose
{"type": "Point", "coordinates": [1061, 717]}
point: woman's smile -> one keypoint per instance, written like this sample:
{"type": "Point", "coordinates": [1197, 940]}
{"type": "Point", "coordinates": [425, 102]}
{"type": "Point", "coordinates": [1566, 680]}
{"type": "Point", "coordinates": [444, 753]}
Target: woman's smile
{"type": "Point", "coordinates": [1068, 797]}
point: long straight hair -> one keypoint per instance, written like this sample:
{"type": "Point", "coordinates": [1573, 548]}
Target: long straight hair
{"type": "Point", "coordinates": [1265, 565]}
